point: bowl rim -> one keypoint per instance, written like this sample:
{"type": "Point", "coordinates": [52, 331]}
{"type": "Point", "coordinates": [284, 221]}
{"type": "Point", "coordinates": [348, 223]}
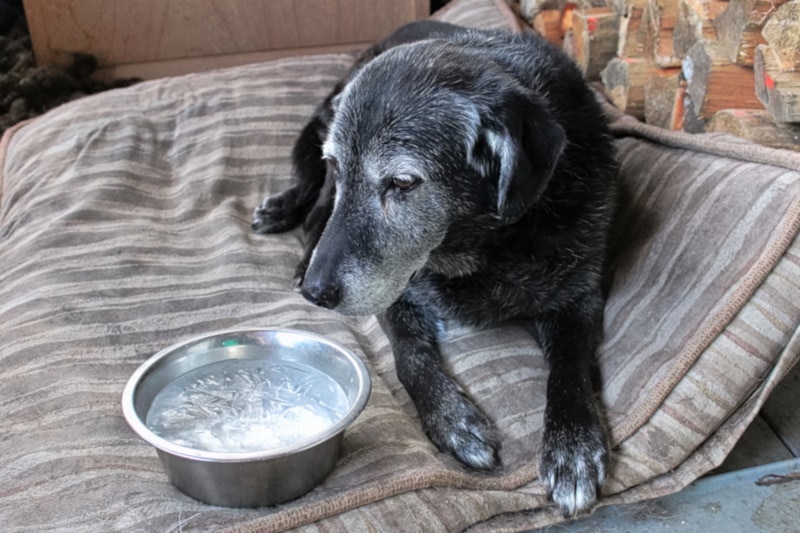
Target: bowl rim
{"type": "Point", "coordinates": [160, 443]}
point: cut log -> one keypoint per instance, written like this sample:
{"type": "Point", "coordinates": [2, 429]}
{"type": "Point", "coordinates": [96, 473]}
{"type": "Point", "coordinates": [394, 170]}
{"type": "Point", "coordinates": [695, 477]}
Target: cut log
{"type": "Point", "coordinates": [694, 24]}
{"type": "Point", "coordinates": [658, 26]}
{"type": "Point", "coordinates": [528, 9]}
{"type": "Point", "coordinates": [779, 91]}
{"type": "Point", "coordinates": [714, 83]}
{"type": "Point", "coordinates": [739, 28]}
{"type": "Point", "coordinates": [757, 126]}
{"type": "Point", "coordinates": [663, 101]}
{"type": "Point", "coordinates": [782, 33]}
{"type": "Point", "coordinates": [567, 15]}
{"type": "Point", "coordinates": [624, 82]}
{"type": "Point", "coordinates": [547, 23]}
{"type": "Point", "coordinates": [594, 39]}
{"type": "Point", "coordinates": [707, 9]}
{"type": "Point", "coordinates": [692, 123]}
{"type": "Point", "coordinates": [631, 38]}
{"type": "Point", "coordinates": [589, 4]}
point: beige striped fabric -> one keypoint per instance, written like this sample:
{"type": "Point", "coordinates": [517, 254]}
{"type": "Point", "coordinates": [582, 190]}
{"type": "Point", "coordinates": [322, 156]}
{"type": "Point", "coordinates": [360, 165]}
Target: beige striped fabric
{"type": "Point", "coordinates": [124, 228]}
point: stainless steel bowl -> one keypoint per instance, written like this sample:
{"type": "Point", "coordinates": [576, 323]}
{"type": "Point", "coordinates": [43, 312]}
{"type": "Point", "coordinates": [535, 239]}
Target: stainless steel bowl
{"type": "Point", "coordinates": [249, 478]}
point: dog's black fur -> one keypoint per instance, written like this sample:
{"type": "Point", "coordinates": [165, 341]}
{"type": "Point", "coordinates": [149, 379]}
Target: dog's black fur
{"type": "Point", "coordinates": [465, 175]}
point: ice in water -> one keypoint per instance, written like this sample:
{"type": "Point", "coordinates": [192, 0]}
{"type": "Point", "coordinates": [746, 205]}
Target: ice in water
{"type": "Point", "coordinates": [246, 405]}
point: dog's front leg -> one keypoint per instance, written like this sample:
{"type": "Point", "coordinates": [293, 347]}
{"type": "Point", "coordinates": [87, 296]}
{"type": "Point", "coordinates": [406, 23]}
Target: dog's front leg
{"type": "Point", "coordinates": [285, 210]}
{"type": "Point", "coordinates": [449, 418]}
{"type": "Point", "coordinates": [575, 453]}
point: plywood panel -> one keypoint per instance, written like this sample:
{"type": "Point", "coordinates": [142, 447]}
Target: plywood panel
{"type": "Point", "coordinates": [136, 31]}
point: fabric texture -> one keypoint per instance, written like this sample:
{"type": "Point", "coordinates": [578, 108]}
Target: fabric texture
{"type": "Point", "coordinates": [124, 228]}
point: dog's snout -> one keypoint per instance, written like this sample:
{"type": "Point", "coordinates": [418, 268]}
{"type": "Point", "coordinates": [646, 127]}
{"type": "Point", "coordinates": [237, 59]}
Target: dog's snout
{"type": "Point", "coordinates": [326, 295]}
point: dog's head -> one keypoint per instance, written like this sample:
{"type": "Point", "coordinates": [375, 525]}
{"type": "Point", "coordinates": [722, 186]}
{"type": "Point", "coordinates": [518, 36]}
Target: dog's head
{"type": "Point", "coordinates": [423, 138]}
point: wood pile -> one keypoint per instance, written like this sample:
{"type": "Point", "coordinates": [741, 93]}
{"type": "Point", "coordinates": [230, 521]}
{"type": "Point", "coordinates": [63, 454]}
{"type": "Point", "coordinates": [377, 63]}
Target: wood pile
{"type": "Point", "coordinates": [696, 65]}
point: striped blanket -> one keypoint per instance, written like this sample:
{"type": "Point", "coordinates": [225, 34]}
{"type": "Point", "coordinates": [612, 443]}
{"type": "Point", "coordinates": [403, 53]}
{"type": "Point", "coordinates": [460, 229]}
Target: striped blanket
{"type": "Point", "coordinates": [124, 227]}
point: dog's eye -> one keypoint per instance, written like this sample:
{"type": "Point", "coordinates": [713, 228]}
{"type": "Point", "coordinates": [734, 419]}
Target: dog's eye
{"type": "Point", "coordinates": [403, 182]}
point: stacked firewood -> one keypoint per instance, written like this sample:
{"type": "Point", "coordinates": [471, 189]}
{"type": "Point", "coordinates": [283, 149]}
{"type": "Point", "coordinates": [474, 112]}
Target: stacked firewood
{"type": "Point", "coordinates": [695, 65]}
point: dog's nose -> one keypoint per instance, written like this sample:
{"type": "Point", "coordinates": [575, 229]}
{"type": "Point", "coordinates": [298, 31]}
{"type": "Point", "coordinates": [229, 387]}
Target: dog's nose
{"type": "Point", "coordinates": [326, 295]}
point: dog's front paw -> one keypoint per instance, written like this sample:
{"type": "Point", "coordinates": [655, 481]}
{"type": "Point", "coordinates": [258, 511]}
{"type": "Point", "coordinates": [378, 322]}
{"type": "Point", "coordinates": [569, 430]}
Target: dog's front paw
{"type": "Point", "coordinates": [458, 427]}
{"type": "Point", "coordinates": [574, 464]}
{"type": "Point", "coordinates": [277, 213]}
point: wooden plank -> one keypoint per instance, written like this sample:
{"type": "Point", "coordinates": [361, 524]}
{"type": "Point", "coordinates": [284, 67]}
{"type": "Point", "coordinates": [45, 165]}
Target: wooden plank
{"type": "Point", "coordinates": [122, 32]}
{"type": "Point", "coordinates": [782, 33]}
{"type": "Point", "coordinates": [782, 410]}
{"type": "Point", "coordinates": [758, 126]}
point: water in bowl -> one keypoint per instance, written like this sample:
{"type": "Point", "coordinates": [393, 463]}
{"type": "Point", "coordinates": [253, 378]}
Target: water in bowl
{"type": "Point", "coordinates": [246, 405]}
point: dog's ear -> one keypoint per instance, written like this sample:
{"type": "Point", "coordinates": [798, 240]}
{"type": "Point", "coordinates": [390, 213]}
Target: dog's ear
{"type": "Point", "coordinates": [518, 145]}
{"type": "Point", "coordinates": [335, 101]}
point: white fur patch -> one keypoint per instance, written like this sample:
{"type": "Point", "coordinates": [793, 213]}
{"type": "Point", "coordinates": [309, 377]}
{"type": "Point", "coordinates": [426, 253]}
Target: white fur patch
{"type": "Point", "coordinates": [328, 148]}
{"type": "Point", "coordinates": [503, 146]}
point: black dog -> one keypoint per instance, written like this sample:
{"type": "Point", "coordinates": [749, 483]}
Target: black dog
{"type": "Point", "coordinates": [465, 175]}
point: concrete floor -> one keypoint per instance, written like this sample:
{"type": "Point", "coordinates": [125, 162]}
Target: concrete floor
{"type": "Point", "coordinates": [759, 499]}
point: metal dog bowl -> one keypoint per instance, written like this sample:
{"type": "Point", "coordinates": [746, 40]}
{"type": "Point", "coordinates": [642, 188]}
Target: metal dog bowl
{"type": "Point", "coordinates": [246, 418]}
